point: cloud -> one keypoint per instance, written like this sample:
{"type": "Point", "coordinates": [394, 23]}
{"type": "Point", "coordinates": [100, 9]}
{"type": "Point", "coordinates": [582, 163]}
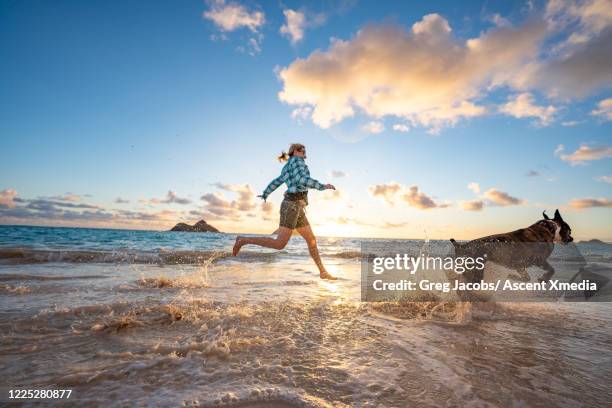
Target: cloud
{"type": "Point", "coordinates": [167, 215]}
{"type": "Point", "coordinates": [45, 204]}
{"type": "Point", "coordinates": [388, 224]}
{"type": "Point", "coordinates": [532, 173]}
{"type": "Point", "coordinates": [171, 198]}
{"type": "Point", "coordinates": [591, 203]}
{"type": "Point", "coordinates": [569, 123]}
{"type": "Point", "coordinates": [429, 77]}
{"type": "Point", "coordinates": [605, 179]}
{"type": "Point", "coordinates": [499, 21]}
{"type": "Point", "coordinates": [52, 211]}
{"type": "Point", "coordinates": [424, 75]}
{"type": "Point", "coordinates": [216, 204]}
{"type": "Point", "coordinates": [233, 16]}
{"type": "Point", "coordinates": [246, 196]}
{"type": "Point", "coordinates": [393, 192]}
{"type": "Point", "coordinates": [604, 109]}
{"type": "Point", "coordinates": [338, 174]}
{"type": "Point", "coordinates": [592, 17]}
{"type": "Point", "coordinates": [499, 198]}
{"type": "Point", "coordinates": [348, 220]}
{"type": "Point", "coordinates": [474, 205]}
{"type": "Point", "coordinates": [523, 106]}
{"type": "Point", "coordinates": [216, 200]}
{"type": "Point", "coordinates": [584, 154]}
{"type": "Point", "coordinates": [230, 16]}
{"type": "Point", "coordinates": [582, 72]}
{"type": "Point", "coordinates": [301, 113]}
{"type": "Point", "coordinates": [576, 62]}
{"type": "Point", "coordinates": [7, 198]}
{"type": "Point", "coordinates": [219, 37]}
{"type": "Point", "coordinates": [294, 25]}
{"type": "Point", "coordinates": [474, 186]}
{"type": "Point", "coordinates": [420, 200]}
{"type": "Point", "coordinates": [331, 195]}
{"type": "Point", "coordinates": [401, 127]}
{"type": "Point", "coordinates": [373, 127]}
{"type": "Point", "coordinates": [387, 191]}
{"type": "Point", "coordinates": [297, 21]}
{"type": "Point", "coordinates": [268, 209]}
{"type": "Point", "coordinates": [491, 197]}
{"type": "Point", "coordinates": [46, 212]}
{"type": "Point", "coordinates": [120, 200]}
{"type": "Point", "coordinates": [67, 197]}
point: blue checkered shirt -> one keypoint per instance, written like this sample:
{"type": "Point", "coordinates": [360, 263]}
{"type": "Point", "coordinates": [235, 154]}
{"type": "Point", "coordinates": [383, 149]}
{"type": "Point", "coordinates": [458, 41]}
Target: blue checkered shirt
{"type": "Point", "coordinates": [297, 177]}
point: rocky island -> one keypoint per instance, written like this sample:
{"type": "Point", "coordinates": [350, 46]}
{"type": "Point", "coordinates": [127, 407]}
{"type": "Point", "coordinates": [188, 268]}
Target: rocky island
{"type": "Point", "coordinates": [594, 241]}
{"type": "Point", "coordinates": [200, 226]}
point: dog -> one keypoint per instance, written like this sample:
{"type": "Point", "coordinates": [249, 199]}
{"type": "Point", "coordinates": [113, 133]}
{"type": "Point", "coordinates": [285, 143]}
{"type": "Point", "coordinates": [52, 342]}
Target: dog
{"type": "Point", "coordinates": [520, 249]}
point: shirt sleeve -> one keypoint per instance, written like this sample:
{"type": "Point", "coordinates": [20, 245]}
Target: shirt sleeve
{"type": "Point", "coordinates": [305, 179]}
{"type": "Point", "coordinates": [274, 184]}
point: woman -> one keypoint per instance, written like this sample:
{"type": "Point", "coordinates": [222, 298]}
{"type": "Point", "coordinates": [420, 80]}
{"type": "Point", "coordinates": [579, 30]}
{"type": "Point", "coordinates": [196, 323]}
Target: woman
{"type": "Point", "coordinates": [292, 214]}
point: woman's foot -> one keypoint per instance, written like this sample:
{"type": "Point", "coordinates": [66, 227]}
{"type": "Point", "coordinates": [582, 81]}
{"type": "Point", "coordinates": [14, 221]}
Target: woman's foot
{"type": "Point", "coordinates": [237, 245]}
{"type": "Point", "coordinates": [326, 275]}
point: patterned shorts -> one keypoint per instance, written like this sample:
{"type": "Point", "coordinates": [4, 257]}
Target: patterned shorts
{"type": "Point", "coordinates": [293, 214]}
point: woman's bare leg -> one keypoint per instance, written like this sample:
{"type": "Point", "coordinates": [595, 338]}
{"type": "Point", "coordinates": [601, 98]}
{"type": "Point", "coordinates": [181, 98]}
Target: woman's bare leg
{"type": "Point", "coordinates": [311, 240]}
{"type": "Point", "coordinates": [282, 237]}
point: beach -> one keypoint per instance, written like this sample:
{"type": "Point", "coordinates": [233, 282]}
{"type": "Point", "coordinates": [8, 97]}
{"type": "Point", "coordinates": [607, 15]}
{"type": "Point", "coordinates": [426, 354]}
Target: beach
{"type": "Point", "coordinates": [145, 318]}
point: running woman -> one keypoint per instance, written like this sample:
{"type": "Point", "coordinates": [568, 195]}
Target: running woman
{"type": "Point", "coordinates": [296, 175]}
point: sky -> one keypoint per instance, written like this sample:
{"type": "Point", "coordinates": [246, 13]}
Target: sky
{"type": "Point", "coordinates": [433, 119]}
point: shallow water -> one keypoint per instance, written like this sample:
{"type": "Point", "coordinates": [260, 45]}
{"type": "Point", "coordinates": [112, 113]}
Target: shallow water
{"type": "Point", "coordinates": [261, 330]}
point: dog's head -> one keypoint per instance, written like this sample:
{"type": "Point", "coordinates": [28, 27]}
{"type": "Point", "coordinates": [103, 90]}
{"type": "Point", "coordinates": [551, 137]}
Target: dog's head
{"type": "Point", "coordinates": [564, 231]}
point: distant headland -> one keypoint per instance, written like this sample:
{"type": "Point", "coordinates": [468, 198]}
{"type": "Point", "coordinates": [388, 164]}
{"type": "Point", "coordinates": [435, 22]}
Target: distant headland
{"type": "Point", "coordinates": [200, 226]}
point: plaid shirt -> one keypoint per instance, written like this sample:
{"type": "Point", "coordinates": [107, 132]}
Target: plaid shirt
{"type": "Point", "coordinates": [297, 177]}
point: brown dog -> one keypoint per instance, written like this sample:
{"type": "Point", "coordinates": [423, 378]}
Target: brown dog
{"type": "Point", "coordinates": [518, 249]}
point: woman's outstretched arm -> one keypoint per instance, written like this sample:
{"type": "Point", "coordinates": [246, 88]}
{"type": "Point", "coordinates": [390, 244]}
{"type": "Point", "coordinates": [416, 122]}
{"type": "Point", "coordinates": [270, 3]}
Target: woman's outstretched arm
{"type": "Point", "coordinates": [274, 184]}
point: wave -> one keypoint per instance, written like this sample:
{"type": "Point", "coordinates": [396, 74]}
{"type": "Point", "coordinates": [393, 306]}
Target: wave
{"type": "Point", "coordinates": [156, 257]}
{"type": "Point", "coordinates": [160, 257]}
{"type": "Point", "coordinates": [19, 277]}
{"type": "Point", "coordinates": [347, 254]}
{"type": "Point", "coordinates": [15, 290]}
{"type": "Point", "coordinates": [275, 283]}
{"type": "Point", "coordinates": [267, 397]}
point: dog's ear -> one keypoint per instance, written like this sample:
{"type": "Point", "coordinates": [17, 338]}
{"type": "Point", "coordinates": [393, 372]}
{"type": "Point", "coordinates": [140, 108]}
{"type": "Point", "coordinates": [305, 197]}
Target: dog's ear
{"type": "Point", "coordinates": [455, 243]}
{"type": "Point", "coordinates": [545, 216]}
{"type": "Point", "coordinates": [558, 216]}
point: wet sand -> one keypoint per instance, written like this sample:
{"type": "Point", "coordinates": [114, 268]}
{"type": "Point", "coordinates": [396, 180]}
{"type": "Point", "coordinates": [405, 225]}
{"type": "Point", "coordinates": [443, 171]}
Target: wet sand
{"type": "Point", "coordinates": [267, 334]}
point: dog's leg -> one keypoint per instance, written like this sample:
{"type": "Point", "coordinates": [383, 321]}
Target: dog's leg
{"type": "Point", "coordinates": [474, 275]}
{"type": "Point", "coordinates": [550, 271]}
{"type": "Point", "coordinates": [522, 276]}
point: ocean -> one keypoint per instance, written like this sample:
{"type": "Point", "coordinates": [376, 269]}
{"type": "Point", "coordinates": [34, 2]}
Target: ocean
{"type": "Point", "coordinates": [149, 318]}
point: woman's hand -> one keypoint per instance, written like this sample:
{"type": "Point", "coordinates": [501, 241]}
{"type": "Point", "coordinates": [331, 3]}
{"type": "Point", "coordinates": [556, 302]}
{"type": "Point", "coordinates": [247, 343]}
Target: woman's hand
{"type": "Point", "coordinates": [330, 187]}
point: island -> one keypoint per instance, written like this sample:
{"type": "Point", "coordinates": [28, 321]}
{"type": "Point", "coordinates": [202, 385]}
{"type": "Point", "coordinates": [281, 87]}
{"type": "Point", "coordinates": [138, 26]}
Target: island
{"type": "Point", "coordinates": [594, 241]}
{"type": "Point", "coordinates": [200, 226]}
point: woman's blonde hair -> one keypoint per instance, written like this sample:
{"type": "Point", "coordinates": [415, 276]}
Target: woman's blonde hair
{"type": "Point", "coordinates": [294, 147]}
